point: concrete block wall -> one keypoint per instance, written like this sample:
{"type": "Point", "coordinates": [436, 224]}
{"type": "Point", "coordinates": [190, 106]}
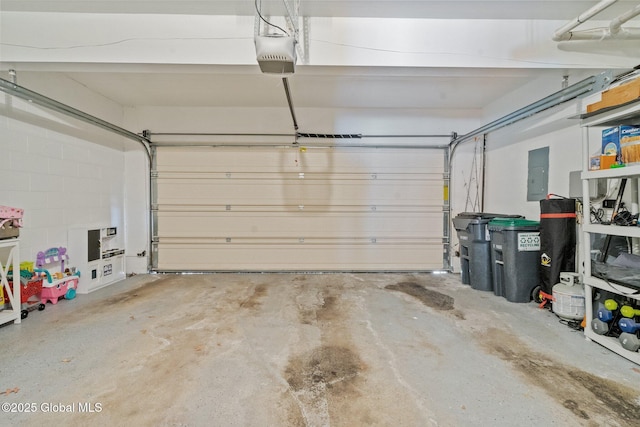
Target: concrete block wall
{"type": "Point", "coordinates": [62, 172]}
{"type": "Point", "coordinates": [60, 181]}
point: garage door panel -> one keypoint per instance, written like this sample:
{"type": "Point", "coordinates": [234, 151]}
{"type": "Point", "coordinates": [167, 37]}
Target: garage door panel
{"type": "Point", "coordinates": [309, 176]}
{"type": "Point", "coordinates": [267, 208]}
{"type": "Point", "coordinates": [278, 224]}
{"type": "Point", "coordinates": [285, 159]}
{"type": "Point", "coordinates": [283, 257]}
{"type": "Point", "coordinates": [224, 192]}
{"type": "Point", "coordinates": [184, 208]}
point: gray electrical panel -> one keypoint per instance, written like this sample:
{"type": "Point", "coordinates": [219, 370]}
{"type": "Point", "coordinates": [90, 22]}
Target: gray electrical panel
{"type": "Point", "coordinates": [538, 174]}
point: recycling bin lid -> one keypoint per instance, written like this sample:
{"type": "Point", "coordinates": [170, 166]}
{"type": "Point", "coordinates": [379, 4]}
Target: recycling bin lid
{"type": "Point", "coordinates": [485, 215]}
{"type": "Point", "coordinates": [462, 220]}
{"type": "Point", "coordinates": [499, 224]}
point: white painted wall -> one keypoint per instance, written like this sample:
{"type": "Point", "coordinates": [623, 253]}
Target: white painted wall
{"type": "Point", "coordinates": [507, 163]}
{"type": "Point", "coordinates": [62, 172]}
{"type": "Point", "coordinates": [507, 149]}
{"type": "Point", "coordinates": [136, 199]}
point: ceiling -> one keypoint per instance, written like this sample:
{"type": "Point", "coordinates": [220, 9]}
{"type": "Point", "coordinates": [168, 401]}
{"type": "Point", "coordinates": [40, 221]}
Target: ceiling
{"type": "Point", "coordinates": [442, 9]}
{"type": "Point", "coordinates": [313, 86]}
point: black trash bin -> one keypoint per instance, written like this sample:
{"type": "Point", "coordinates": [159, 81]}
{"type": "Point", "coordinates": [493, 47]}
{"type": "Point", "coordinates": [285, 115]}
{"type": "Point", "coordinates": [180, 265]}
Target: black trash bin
{"type": "Point", "coordinates": [475, 248]}
{"type": "Point", "coordinates": [515, 255]}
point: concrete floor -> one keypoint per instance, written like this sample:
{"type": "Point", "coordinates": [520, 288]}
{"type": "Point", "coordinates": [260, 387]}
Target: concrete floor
{"type": "Point", "coordinates": [308, 350]}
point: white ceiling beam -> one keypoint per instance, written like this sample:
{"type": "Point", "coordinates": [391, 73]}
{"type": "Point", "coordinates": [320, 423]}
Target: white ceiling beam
{"type": "Point", "coordinates": [352, 42]}
{"type": "Point", "coordinates": [431, 9]}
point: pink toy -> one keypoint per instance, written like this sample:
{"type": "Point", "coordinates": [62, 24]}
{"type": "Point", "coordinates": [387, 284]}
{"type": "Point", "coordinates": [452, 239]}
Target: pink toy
{"type": "Point", "coordinates": [11, 216]}
{"type": "Point", "coordinates": [65, 288]}
{"type": "Point", "coordinates": [62, 284]}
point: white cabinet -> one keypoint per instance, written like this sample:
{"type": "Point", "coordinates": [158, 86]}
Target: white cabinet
{"type": "Point", "coordinates": [97, 254]}
{"type": "Point", "coordinates": [10, 263]}
{"type": "Point", "coordinates": [628, 114]}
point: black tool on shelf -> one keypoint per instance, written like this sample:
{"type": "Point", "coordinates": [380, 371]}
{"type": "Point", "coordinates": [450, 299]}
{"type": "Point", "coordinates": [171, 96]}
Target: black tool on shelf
{"type": "Point", "coordinates": [616, 208]}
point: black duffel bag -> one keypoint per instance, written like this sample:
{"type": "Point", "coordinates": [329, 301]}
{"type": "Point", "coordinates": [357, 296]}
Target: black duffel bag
{"type": "Point", "coordinates": [557, 239]}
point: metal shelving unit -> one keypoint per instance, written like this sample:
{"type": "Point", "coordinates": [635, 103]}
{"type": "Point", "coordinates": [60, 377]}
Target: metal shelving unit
{"type": "Point", "coordinates": [625, 114]}
{"type": "Point", "coordinates": [10, 260]}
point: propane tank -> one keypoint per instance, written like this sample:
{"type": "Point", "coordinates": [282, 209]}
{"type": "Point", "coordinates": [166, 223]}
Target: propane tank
{"type": "Point", "coordinates": [568, 297]}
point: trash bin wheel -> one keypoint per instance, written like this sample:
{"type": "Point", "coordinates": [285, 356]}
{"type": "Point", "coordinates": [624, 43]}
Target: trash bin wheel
{"type": "Point", "coordinates": [535, 294]}
{"type": "Point", "coordinates": [41, 307]}
{"type": "Point", "coordinates": [24, 314]}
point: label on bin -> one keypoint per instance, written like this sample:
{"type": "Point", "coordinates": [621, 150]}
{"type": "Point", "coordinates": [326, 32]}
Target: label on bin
{"type": "Point", "coordinates": [529, 241]}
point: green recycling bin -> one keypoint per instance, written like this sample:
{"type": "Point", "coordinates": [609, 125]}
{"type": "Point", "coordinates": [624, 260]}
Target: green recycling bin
{"type": "Point", "coordinates": [515, 257]}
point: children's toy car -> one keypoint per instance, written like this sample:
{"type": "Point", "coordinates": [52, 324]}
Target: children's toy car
{"type": "Point", "coordinates": [30, 293]}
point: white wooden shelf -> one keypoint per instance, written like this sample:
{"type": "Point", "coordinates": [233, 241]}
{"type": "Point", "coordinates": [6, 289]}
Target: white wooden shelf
{"type": "Point", "coordinates": [626, 114]}
{"type": "Point", "coordinates": [611, 343]}
{"type": "Point", "coordinates": [10, 256]}
{"type": "Point", "coordinates": [595, 282]}
{"type": "Point", "coordinates": [624, 172]}
{"type": "Point", "coordinates": [614, 230]}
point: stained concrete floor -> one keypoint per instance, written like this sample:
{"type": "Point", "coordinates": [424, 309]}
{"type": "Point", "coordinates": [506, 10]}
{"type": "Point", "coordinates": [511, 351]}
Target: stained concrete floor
{"type": "Point", "coordinates": [307, 350]}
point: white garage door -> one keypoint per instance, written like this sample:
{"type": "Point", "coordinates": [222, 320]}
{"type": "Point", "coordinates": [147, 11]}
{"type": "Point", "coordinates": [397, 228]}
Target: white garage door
{"type": "Point", "coordinates": [297, 209]}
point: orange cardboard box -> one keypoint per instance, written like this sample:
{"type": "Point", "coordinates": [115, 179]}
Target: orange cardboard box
{"type": "Point", "coordinates": [607, 161]}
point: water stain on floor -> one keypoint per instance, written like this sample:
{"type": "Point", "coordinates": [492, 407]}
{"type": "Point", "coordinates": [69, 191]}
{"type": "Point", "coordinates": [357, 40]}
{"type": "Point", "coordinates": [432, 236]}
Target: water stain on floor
{"type": "Point", "coordinates": [326, 380]}
{"type": "Point", "coordinates": [254, 300]}
{"type": "Point", "coordinates": [322, 310]}
{"type": "Point", "coordinates": [428, 297]}
{"type": "Point", "coordinates": [328, 311]}
{"type": "Point", "coordinates": [587, 396]}
{"type": "Point", "coordinates": [147, 290]}
{"type": "Point", "coordinates": [292, 414]}
{"type": "Point", "coordinates": [325, 366]}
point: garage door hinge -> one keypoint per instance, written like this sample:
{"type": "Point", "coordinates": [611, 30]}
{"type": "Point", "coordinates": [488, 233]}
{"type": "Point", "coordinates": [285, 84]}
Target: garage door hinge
{"type": "Point", "coordinates": [301, 240]}
{"type": "Point", "coordinates": [373, 240]}
{"type": "Point", "coordinates": [154, 174]}
{"type": "Point", "coordinates": [154, 206]}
